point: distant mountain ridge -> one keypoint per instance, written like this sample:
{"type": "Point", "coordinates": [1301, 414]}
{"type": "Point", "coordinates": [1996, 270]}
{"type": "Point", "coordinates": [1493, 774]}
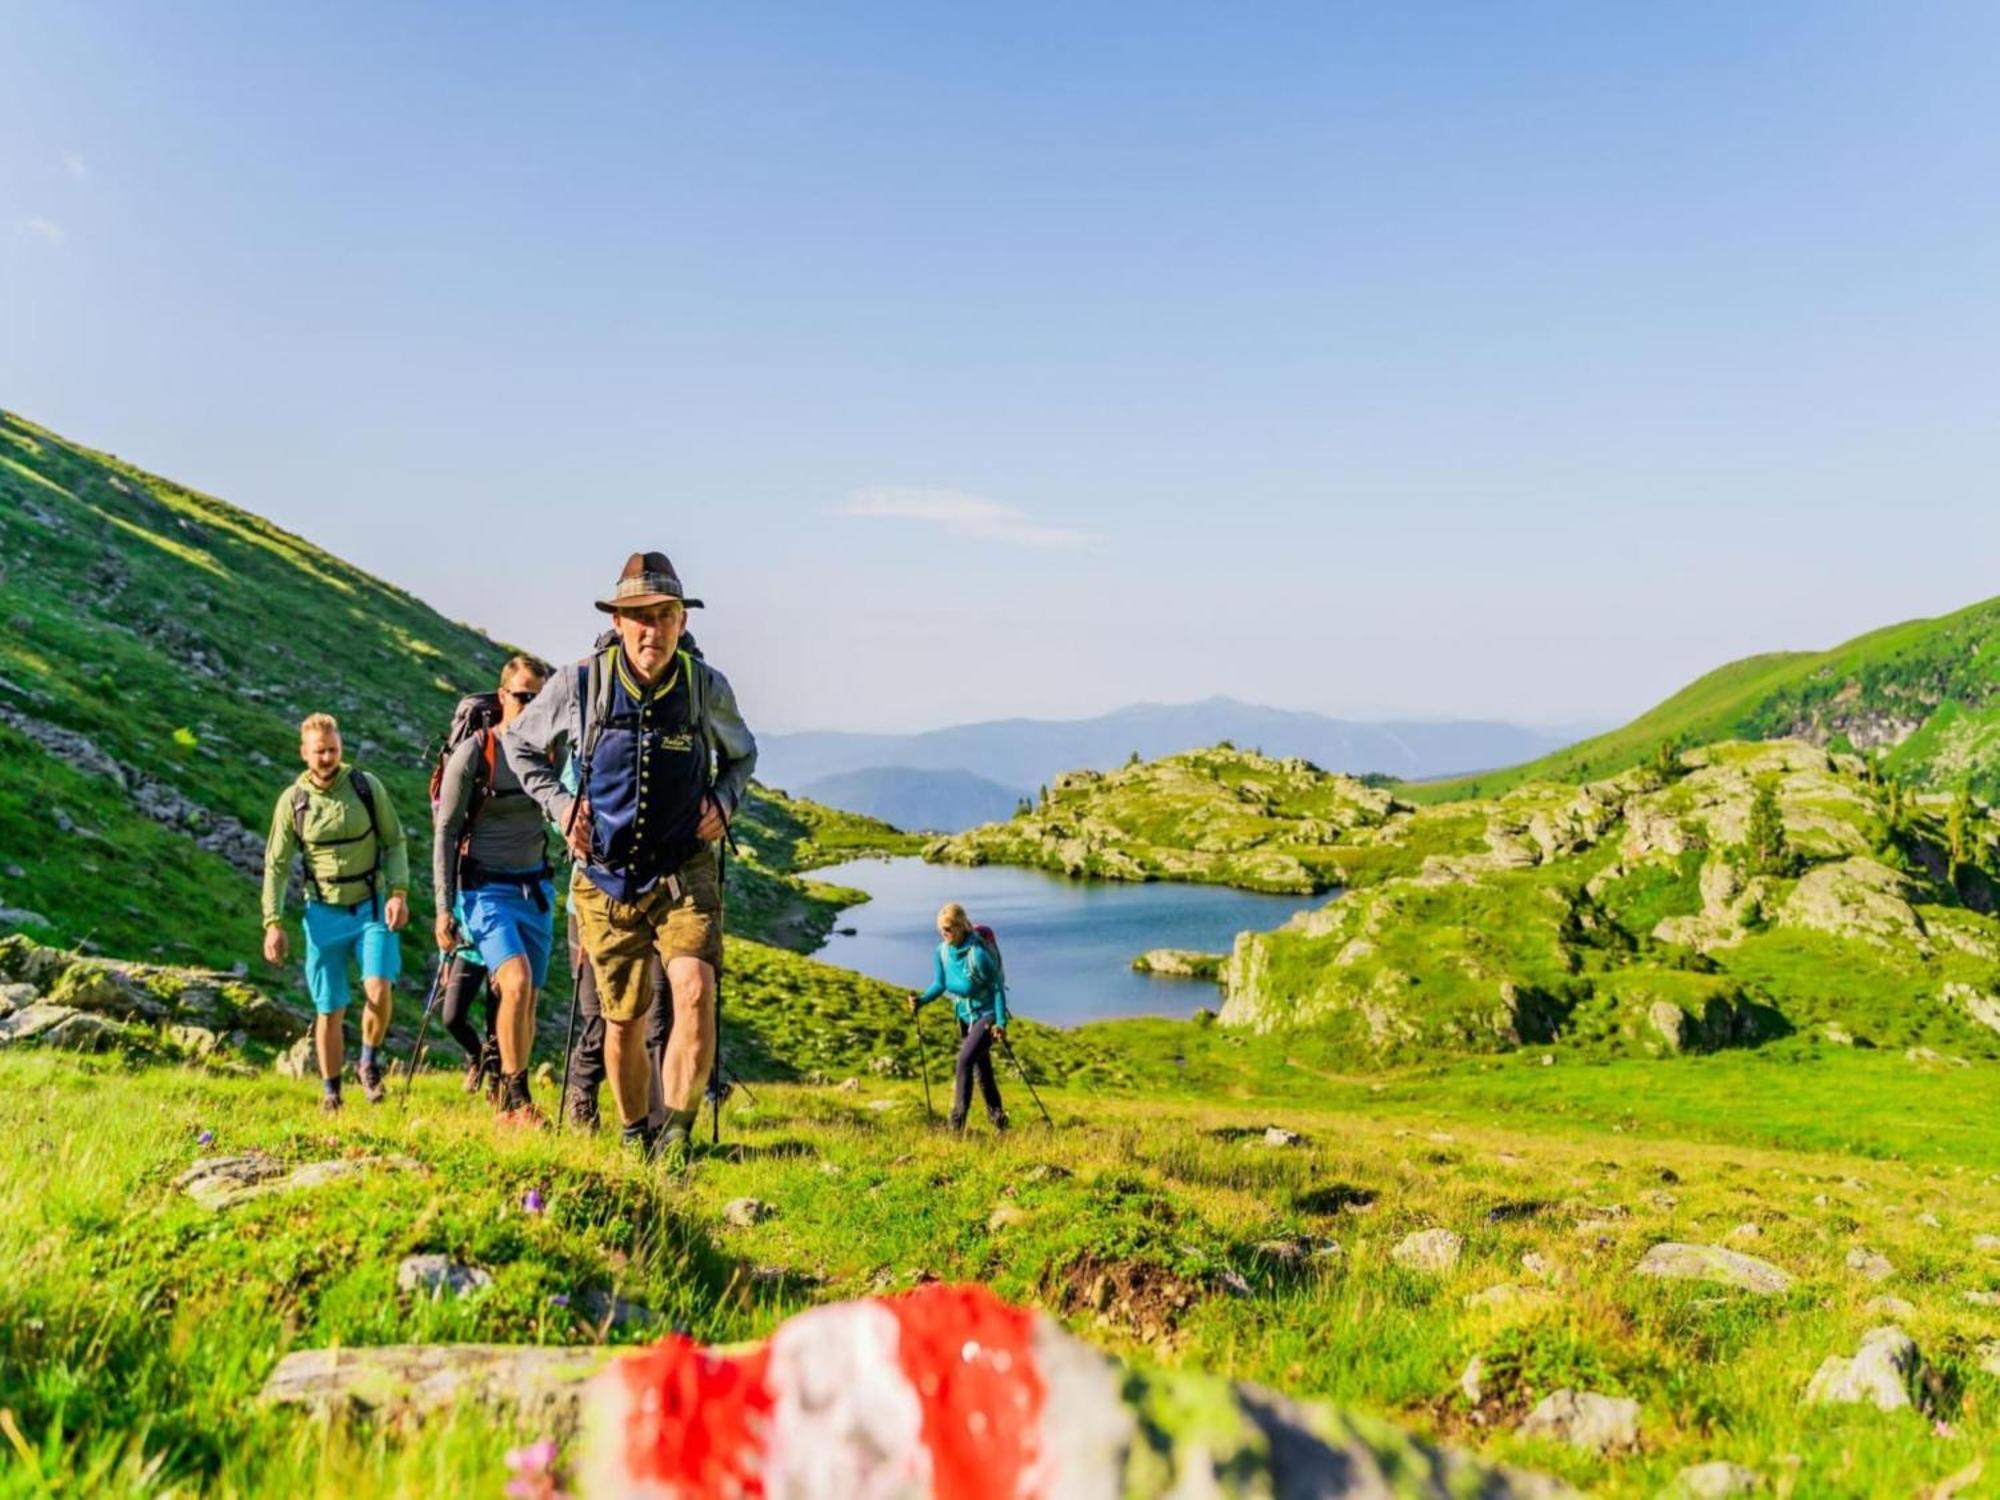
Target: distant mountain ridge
{"type": "Point", "coordinates": [916, 800]}
{"type": "Point", "coordinates": [1026, 753]}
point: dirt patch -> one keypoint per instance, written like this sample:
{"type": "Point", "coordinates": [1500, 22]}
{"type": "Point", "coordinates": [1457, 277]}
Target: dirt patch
{"type": "Point", "coordinates": [1140, 1296]}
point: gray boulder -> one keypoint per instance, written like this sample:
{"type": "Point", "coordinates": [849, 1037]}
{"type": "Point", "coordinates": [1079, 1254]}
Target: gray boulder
{"type": "Point", "coordinates": [1677, 1262]}
{"type": "Point", "coordinates": [1869, 1265]}
{"type": "Point", "coordinates": [300, 1060]}
{"type": "Point", "coordinates": [435, 1275]}
{"type": "Point", "coordinates": [1432, 1251]}
{"type": "Point", "coordinates": [1716, 1480]}
{"type": "Point", "coordinates": [1880, 1374]}
{"type": "Point", "coordinates": [1583, 1419]}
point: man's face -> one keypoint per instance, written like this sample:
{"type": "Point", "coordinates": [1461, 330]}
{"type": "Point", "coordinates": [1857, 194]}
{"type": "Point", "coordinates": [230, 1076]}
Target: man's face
{"type": "Point", "coordinates": [518, 693]}
{"type": "Point", "coordinates": [320, 750]}
{"type": "Point", "coordinates": [650, 637]}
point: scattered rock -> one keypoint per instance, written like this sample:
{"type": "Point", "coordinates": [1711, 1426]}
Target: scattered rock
{"type": "Point", "coordinates": [1880, 1374]}
{"type": "Point", "coordinates": [612, 1313]}
{"type": "Point", "coordinates": [1747, 1232]}
{"type": "Point", "coordinates": [1180, 963]}
{"type": "Point", "coordinates": [299, 1060]}
{"type": "Point", "coordinates": [1598, 1424]}
{"type": "Point", "coordinates": [848, 1086]}
{"type": "Point", "coordinates": [1432, 1251]}
{"type": "Point", "coordinates": [1473, 1381]}
{"type": "Point", "coordinates": [1988, 1355]}
{"type": "Point", "coordinates": [1047, 1171]}
{"type": "Point", "coordinates": [62, 1026]}
{"type": "Point", "coordinates": [1537, 1264]}
{"type": "Point", "coordinates": [1679, 1262]}
{"type": "Point", "coordinates": [1930, 1221]}
{"type": "Point", "coordinates": [1983, 1299]}
{"type": "Point", "coordinates": [1506, 1297]}
{"type": "Point", "coordinates": [196, 1041]}
{"type": "Point", "coordinates": [14, 997]}
{"type": "Point", "coordinates": [1716, 1480]}
{"type": "Point", "coordinates": [742, 1213]}
{"type": "Point", "coordinates": [1986, 1242]}
{"type": "Point", "coordinates": [1006, 1216]}
{"type": "Point", "coordinates": [223, 1181]}
{"type": "Point", "coordinates": [1870, 1266]}
{"type": "Point", "coordinates": [435, 1275]}
{"type": "Point", "coordinates": [1887, 1306]}
{"type": "Point", "coordinates": [539, 1383]}
{"type": "Point", "coordinates": [1276, 1135]}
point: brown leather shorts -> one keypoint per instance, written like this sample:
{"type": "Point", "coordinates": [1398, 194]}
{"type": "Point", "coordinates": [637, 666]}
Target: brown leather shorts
{"type": "Point", "coordinates": [678, 918]}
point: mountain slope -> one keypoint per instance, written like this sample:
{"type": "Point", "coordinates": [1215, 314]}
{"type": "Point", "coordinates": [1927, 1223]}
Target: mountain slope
{"type": "Point", "coordinates": [1926, 693]}
{"type": "Point", "coordinates": [1028, 752]}
{"type": "Point", "coordinates": [158, 648]}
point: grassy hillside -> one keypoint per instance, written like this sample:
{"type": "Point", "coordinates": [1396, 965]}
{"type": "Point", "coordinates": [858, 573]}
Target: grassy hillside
{"type": "Point", "coordinates": [157, 650]}
{"type": "Point", "coordinates": [1925, 693]}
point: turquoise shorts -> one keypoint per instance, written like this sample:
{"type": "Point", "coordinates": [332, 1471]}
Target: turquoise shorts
{"type": "Point", "coordinates": [507, 921]}
{"type": "Point", "coordinates": [336, 935]}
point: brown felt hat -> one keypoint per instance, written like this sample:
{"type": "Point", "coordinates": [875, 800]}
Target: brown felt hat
{"type": "Point", "coordinates": [649, 578]}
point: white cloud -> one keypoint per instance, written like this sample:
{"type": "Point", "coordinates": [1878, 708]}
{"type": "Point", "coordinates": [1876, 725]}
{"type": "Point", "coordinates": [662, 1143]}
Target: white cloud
{"type": "Point", "coordinates": [47, 229]}
{"type": "Point", "coordinates": [969, 516]}
{"type": "Point", "coordinates": [75, 165]}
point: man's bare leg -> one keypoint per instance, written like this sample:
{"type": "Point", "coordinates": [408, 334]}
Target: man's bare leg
{"type": "Point", "coordinates": [691, 1049]}
{"type": "Point", "coordinates": [512, 983]}
{"type": "Point", "coordinates": [375, 1014]}
{"type": "Point", "coordinates": [625, 1065]}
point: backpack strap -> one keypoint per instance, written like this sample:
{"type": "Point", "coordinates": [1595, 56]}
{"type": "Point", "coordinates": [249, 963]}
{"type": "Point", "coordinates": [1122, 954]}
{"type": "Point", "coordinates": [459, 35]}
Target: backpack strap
{"type": "Point", "coordinates": [364, 790]}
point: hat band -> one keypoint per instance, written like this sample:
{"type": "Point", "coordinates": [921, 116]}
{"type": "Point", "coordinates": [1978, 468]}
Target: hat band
{"type": "Point", "coordinates": [648, 583]}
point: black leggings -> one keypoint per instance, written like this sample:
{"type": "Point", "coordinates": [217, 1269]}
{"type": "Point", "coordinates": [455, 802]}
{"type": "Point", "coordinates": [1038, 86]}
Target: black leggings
{"type": "Point", "coordinates": [463, 981]}
{"type": "Point", "coordinates": [586, 1060]}
{"type": "Point", "coordinates": [975, 1058]}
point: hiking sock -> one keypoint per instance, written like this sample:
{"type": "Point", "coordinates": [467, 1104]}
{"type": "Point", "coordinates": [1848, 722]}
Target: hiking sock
{"type": "Point", "coordinates": [367, 1055]}
{"type": "Point", "coordinates": [638, 1135]}
{"type": "Point", "coordinates": [679, 1124]}
{"type": "Point", "coordinates": [331, 1086]}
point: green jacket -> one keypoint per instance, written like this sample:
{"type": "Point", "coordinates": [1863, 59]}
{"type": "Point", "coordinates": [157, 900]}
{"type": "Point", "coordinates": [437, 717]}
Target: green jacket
{"type": "Point", "coordinates": [341, 851]}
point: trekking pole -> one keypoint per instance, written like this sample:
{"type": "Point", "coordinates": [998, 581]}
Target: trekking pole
{"type": "Point", "coordinates": [1029, 1082]}
{"type": "Point", "coordinates": [923, 1063]}
{"type": "Point", "coordinates": [569, 1037]}
{"type": "Point", "coordinates": [423, 1025]}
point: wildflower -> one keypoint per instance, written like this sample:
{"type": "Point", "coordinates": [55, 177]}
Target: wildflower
{"type": "Point", "coordinates": [533, 1471]}
{"type": "Point", "coordinates": [532, 1201]}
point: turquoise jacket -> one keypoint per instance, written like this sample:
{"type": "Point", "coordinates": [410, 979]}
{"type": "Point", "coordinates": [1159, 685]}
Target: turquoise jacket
{"type": "Point", "coordinates": [971, 976]}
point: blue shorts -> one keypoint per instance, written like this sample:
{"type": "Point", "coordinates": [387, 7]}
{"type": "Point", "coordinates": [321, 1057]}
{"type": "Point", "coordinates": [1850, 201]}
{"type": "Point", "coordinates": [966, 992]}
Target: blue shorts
{"type": "Point", "coordinates": [334, 936]}
{"type": "Point", "coordinates": [506, 922]}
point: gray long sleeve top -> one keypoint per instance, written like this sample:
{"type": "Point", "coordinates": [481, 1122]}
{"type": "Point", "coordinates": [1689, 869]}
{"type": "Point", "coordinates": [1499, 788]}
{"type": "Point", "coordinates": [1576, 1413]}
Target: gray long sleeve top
{"type": "Point", "coordinates": [552, 727]}
{"type": "Point", "coordinates": [509, 834]}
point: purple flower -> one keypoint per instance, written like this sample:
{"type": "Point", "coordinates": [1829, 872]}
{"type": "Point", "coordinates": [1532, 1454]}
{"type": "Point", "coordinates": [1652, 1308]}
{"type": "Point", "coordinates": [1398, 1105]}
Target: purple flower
{"type": "Point", "coordinates": [532, 1201]}
{"type": "Point", "coordinates": [560, 1299]}
{"type": "Point", "coordinates": [204, 1138]}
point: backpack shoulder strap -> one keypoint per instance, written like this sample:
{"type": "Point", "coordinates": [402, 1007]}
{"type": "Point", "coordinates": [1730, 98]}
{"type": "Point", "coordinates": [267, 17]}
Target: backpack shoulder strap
{"type": "Point", "coordinates": [594, 693]}
{"type": "Point", "coordinates": [301, 800]}
{"type": "Point", "coordinates": [364, 788]}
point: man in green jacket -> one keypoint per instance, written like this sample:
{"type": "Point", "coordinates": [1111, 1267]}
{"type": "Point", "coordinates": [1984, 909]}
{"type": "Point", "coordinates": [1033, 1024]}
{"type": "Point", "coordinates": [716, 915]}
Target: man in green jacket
{"type": "Point", "coordinates": [357, 878]}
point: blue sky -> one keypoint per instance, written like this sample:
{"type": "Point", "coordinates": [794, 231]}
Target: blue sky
{"type": "Point", "coordinates": [1519, 360]}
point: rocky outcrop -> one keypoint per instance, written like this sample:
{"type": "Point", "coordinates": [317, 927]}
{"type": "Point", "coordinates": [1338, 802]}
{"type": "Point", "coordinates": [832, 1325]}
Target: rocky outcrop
{"type": "Point", "coordinates": [158, 997]}
{"type": "Point", "coordinates": [1597, 1424]}
{"type": "Point", "coordinates": [225, 1181]}
{"type": "Point", "coordinates": [1857, 898]}
{"type": "Point", "coordinates": [1180, 963]}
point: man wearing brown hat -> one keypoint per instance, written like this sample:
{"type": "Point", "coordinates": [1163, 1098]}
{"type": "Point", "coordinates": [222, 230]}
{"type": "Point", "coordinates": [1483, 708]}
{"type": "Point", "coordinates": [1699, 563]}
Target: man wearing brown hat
{"type": "Point", "coordinates": [664, 758]}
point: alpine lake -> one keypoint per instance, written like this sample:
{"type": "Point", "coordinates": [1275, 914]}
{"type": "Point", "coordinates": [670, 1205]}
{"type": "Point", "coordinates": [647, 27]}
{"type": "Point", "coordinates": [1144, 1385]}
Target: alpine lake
{"type": "Point", "coordinates": [1068, 945]}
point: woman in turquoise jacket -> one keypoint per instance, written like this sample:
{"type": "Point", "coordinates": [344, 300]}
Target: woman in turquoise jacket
{"type": "Point", "coordinates": [969, 971]}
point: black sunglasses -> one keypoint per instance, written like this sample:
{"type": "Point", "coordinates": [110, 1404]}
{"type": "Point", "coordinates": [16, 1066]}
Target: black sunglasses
{"type": "Point", "coordinates": [524, 699]}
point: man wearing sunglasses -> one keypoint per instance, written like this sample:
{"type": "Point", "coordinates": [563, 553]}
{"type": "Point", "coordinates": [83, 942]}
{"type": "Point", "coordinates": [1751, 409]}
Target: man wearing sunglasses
{"type": "Point", "coordinates": [490, 869]}
{"type": "Point", "coordinates": [664, 759]}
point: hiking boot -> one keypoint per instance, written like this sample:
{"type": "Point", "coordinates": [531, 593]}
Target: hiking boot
{"type": "Point", "coordinates": [330, 1104]}
{"type": "Point", "coordinates": [957, 1123]}
{"type": "Point", "coordinates": [475, 1074]}
{"type": "Point", "coordinates": [641, 1139]}
{"type": "Point", "coordinates": [582, 1111]}
{"type": "Point", "coordinates": [370, 1075]}
{"type": "Point", "coordinates": [675, 1152]}
{"type": "Point", "coordinates": [999, 1119]}
{"type": "Point", "coordinates": [522, 1117]}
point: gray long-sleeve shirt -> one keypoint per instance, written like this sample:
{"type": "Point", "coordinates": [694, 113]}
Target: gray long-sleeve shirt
{"type": "Point", "coordinates": [553, 726]}
{"type": "Point", "coordinates": [508, 835]}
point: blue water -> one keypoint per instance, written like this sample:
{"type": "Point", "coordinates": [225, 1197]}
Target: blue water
{"type": "Point", "coordinates": [1068, 944]}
